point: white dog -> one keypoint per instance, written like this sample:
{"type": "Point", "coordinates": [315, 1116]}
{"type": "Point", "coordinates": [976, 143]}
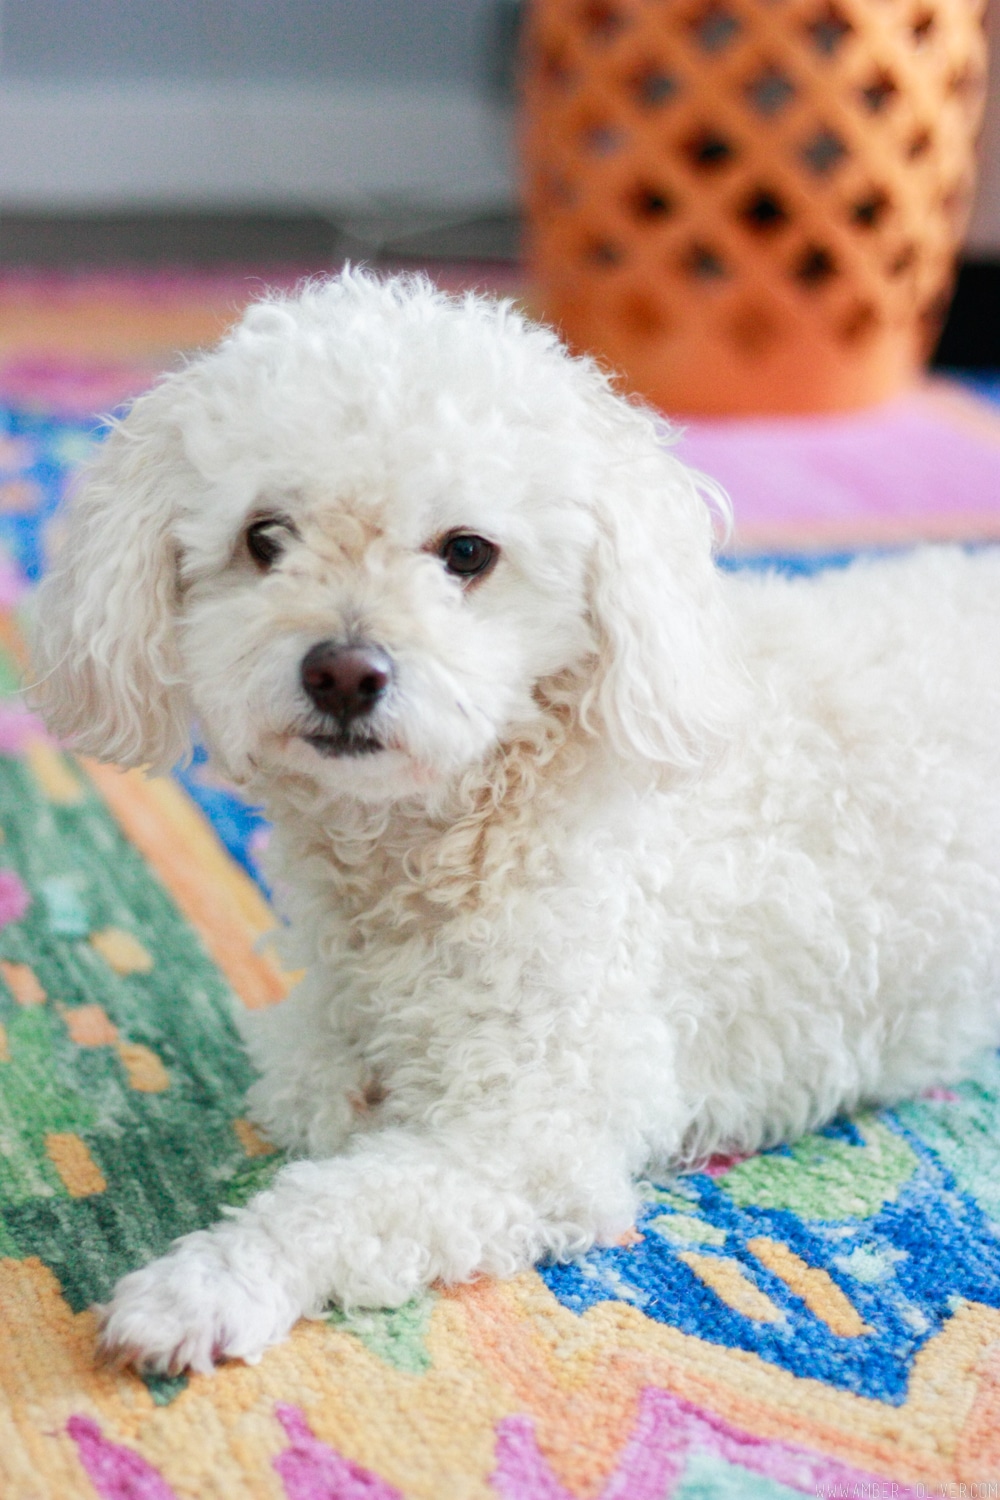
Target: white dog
{"type": "Point", "coordinates": [599, 859]}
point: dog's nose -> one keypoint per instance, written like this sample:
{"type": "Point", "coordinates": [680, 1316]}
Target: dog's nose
{"type": "Point", "coordinates": [345, 681]}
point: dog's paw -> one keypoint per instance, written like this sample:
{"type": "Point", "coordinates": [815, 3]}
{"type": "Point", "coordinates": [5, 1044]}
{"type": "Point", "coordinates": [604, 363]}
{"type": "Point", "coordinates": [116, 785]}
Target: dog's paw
{"type": "Point", "coordinates": [212, 1298]}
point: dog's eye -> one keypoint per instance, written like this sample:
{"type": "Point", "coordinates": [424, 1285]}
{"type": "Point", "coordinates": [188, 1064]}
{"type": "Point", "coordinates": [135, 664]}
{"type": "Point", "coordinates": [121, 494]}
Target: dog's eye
{"type": "Point", "coordinates": [266, 539]}
{"type": "Point", "coordinates": [467, 555]}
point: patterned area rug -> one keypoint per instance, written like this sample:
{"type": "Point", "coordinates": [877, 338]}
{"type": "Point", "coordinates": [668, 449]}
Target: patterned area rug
{"type": "Point", "coordinates": [822, 1319]}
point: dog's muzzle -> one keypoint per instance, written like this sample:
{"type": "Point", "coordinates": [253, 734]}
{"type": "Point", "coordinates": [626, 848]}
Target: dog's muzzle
{"type": "Point", "coordinates": [346, 683]}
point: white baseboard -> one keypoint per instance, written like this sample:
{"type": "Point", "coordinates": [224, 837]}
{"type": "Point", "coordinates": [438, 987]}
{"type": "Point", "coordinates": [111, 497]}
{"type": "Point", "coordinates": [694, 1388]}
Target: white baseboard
{"type": "Point", "coordinates": [68, 147]}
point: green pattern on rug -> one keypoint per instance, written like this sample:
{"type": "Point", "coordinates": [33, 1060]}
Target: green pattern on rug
{"type": "Point", "coordinates": [396, 1335]}
{"type": "Point", "coordinates": [145, 1098]}
{"type": "Point", "coordinates": [820, 1178]}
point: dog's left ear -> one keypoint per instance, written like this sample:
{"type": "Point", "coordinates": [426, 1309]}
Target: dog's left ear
{"type": "Point", "coordinates": [106, 671]}
{"type": "Point", "coordinates": [668, 679]}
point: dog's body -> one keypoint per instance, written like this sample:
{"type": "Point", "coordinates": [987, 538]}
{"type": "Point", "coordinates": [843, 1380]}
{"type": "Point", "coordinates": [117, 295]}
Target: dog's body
{"type": "Point", "coordinates": [597, 858]}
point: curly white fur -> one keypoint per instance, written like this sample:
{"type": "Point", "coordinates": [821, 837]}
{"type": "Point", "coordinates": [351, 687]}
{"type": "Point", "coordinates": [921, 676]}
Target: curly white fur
{"type": "Point", "coordinates": [654, 861]}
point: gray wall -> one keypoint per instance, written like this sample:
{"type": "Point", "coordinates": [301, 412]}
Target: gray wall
{"type": "Point", "coordinates": [351, 41]}
{"type": "Point", "coordinates": [251, 103]}
{"type": "Point", "coordinates": [261, 101]}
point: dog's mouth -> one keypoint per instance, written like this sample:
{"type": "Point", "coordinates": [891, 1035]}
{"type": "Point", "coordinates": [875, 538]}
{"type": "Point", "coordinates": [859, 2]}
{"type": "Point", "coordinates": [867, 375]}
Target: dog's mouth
{"type": "Point", "coordinates": [344, 742]}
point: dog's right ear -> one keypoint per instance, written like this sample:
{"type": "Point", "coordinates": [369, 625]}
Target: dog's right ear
{"type": "Point", "coordinates": [106, 670]}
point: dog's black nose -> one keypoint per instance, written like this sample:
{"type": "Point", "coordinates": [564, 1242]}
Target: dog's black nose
{"type": "Point", "coordinates": [345, 681]}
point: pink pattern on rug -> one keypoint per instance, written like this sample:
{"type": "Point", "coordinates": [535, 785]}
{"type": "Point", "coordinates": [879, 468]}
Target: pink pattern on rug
{"type": "Point", "coordinates": [73, 387]}
{"type": "Point", "coordinates": [16, 453]}
{"type": "Point", "coordinates": [116, 1472]}
{"type": "Point", "coordinates": [654, 1458]}
{"type": "Point", "coordinates": [13, 584]}
{"type": "Point", "coordinates": [521, 1472]}
{"type": "Point", "coordinates": [311, 1470]}
{"type": "Point", "coordinates": [14, 898]}
{"type": "Point", "coordinates": [719, 1165]}
{"type": "Point", "coordinates": [924, 467]}
{"type": "Point", "coordinates": [18, 727]}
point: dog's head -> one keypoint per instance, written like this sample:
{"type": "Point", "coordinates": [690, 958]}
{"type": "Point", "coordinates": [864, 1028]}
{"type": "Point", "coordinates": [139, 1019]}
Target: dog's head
{"type": "Point", "coordinates": [358, 539]}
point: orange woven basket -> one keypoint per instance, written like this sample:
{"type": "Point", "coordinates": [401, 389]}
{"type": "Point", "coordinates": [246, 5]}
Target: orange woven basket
{"type": "Point", "coordinates": [751, 205]}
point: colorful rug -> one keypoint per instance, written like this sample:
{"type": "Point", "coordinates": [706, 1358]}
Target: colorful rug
{"type": "Point", "coordinates": [822, 1319]}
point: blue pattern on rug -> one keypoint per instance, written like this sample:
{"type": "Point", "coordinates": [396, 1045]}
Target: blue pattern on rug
{"type": "Point", "coordinates": [927, 1237]}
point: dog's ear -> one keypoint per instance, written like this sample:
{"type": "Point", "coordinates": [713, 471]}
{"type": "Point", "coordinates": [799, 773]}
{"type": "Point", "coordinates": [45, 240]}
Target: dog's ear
{"type": "Point", "coordinates": [668, 681]}
{"type": "Point", "coordinates": [105, 665]}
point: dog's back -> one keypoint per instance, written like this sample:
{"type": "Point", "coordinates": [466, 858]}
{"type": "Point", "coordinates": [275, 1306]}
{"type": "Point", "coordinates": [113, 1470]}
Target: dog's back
{"type": "Point", "coordinates": [854, 838]}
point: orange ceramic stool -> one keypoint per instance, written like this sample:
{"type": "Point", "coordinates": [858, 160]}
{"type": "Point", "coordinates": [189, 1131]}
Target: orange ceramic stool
{"type": "Point", "coordinates": [751, 205]}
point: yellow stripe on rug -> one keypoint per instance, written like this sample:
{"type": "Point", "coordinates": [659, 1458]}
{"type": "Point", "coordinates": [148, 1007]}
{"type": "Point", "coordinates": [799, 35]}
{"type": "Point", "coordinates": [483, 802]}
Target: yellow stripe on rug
{"type": "Point", "coordinates": [220, 901]}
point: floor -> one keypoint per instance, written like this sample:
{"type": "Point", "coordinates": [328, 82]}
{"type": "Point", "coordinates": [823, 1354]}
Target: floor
{"type": "Point", "coordinates": [116, 240]}
{"type": "Point", "coordinates": [228, 253]}
{"type": "Point", "coordinates": [93, 305]}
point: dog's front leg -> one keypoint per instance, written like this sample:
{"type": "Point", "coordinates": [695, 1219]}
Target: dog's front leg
{"type": "Point", "coordinates": [370, 1228]}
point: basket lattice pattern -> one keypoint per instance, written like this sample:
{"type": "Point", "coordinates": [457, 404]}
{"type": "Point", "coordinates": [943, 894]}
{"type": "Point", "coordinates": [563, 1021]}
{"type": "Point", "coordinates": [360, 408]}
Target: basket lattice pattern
{"type": "Point", "coordinates": [751, 204]}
